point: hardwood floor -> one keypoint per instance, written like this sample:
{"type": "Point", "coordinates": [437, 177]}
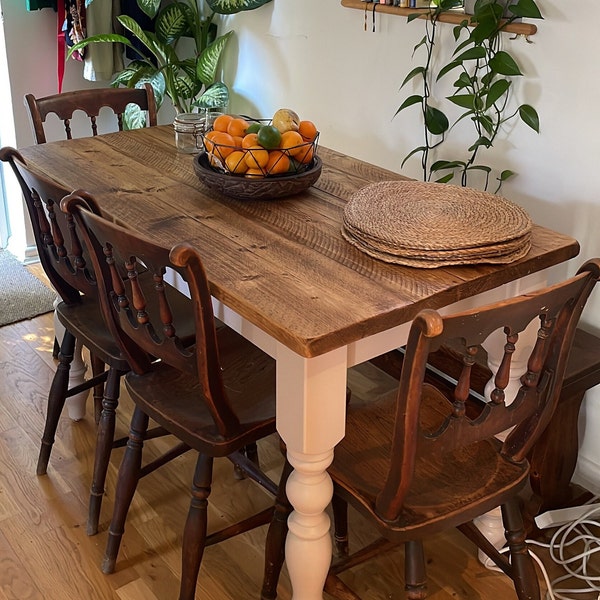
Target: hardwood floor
{"type": "Point", "coordinates": [46, 554]}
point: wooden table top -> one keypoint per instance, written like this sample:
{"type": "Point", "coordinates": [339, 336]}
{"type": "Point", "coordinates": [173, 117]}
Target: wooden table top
{"type": "Point", "coordinates": [281, 264]}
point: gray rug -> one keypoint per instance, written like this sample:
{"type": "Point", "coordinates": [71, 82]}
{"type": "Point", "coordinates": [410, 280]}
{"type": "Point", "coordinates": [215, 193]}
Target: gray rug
{"type": "Point", "coordinates": [22, 295]}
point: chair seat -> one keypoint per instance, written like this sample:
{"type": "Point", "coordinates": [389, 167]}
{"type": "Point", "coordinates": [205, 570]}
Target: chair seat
{"type": "Point", "coordinates": [171, 397]}
{"type": "Point", "coordinates": [85, 322]}
{"type": "Point", "coordinates": [448, 488]}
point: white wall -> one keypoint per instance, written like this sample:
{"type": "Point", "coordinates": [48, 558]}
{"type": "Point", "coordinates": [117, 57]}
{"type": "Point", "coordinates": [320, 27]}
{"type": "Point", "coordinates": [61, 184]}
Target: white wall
{"type": "Point", "coordinates": [315, 57]}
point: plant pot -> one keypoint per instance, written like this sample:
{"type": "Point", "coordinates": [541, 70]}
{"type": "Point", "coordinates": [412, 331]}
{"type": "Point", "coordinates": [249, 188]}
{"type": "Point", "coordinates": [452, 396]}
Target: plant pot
{"type": "Point", "coordinates": [470, 7]}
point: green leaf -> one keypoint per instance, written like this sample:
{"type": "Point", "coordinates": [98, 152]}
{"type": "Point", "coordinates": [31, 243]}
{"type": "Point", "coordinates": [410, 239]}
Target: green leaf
{"type": "Point", "coordinates": [131, 25]}
{"type": "Point", "coordinates": [150, 7]}
{"type": "Point", "coordinates": [530, 117]}
{"type": "Point", "coordinates": [486, 122]}
{"type": "Point", "coordinates": [445, 178]}
{"type": "Point", "coordinates": [134, 117]}
{"type": "Point", "coordinates": [442, 165]}
{"type": "Point", "coordinates": [208, 60]}
{"type": "Point", "coordinates": [484, 30]}
{"type": "Point", "coordinates": [111, 38]}
{"type": "Point", "coordinates": [471, 54]}
{"type": "Point", "coordinates": [413, 152]}
{"type": "Point", "coordinates": [484, 168]}
{"type": "Point", "coordinates": [527, 9]}
{"type": "Point", "coordinates": [416, 71]}
{"type": "Point", "coordinates": [504, 64]}
{"type": "Point", "coordinates": [436, 121]}
{"type": "Point", "coordinates": [463, 100]}
{"type": "Point", "coordinates": [496, 91]}
{"type": "Point", "coordinates": [229, 7]}
{"type": "Point", "coordinates": [215, 96]}
{"type": "Point", "coordinates": [447, 68]}
{"type": "Point", "coordinates": [506, 174]}
{"type": "Point", "coordinates": [186, 87]}
{"type": "Point", "coordinates": [412, 17]}
{"type": "Point", "coordinates": [482, 141]}
{"type": "Point", "coordinates": [415, 99]}
{"type": "Point", "coordinates": [172, 23]}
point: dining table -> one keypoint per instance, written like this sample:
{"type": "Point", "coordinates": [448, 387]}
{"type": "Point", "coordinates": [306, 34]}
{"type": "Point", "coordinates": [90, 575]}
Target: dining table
{"type": "Point", "coordinates": [284, 277]}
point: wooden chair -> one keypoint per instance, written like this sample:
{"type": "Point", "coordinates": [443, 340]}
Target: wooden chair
{"type": "Point", "coordinates": [67, 265]}
{"type": "Point", "coordinates": [433, 456]}
{"type": "Point", "coordinates": [217, 395]}
{"type": "Point", "coordinates": [90, 102]}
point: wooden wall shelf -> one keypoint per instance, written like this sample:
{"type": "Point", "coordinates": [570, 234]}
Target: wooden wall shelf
{"type": "Point", "coordinates": [525, 29]}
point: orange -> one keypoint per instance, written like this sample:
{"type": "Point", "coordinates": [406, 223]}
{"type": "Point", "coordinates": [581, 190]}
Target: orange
{"type": "Point", "coordinates": [219, 143]}
{"type": "Point", "coordinates": [257, 157]}
{"type": "Point", "coordinates": [254, 173]}
{"type": "Point", "coordinates": [221, 123]}
{"type": "Point", "coordinates": [235, 162]}
{"type": "Point", "coordinates": [237, 141]}
{"type": "Point", "coordinates": [293, 142]}
{"type": "Point", "coordinates": [279, 162]}
{"type": "Point", "coordinates": [306, 154]}
{"type": "Point", "coordinates": [307, 130]}
{"type": "Point", "coordinates": [249, 140]}
{"type": "Point", "coordinates": [237, 127]}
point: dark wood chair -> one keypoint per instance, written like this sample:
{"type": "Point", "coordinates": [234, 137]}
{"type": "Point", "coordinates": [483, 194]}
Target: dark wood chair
{"type": "Point", "coordinates": [432, 455]}
{"type": "Point", "coordinates": [67, 265]}
{"type": "Point", "coordinates": [90, 102]}
{"type": "Point", "coordinates": [217, 395]}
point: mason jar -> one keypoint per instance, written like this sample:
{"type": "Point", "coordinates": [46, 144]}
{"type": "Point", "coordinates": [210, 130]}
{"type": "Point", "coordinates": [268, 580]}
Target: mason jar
{"type": "Point", "coordinates": [188, 127]}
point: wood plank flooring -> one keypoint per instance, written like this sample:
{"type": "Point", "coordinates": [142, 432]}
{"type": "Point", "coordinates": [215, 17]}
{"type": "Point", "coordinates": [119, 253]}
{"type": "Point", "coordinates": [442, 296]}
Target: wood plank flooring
{"type": "Point", "coordinates": [46, 554]}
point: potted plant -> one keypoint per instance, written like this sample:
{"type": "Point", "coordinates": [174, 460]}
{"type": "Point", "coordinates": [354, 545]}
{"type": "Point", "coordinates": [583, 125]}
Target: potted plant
{"type": "Point", "coordinates": [187, 76]}
{"type": "Point", "coordinates": [481, 89]}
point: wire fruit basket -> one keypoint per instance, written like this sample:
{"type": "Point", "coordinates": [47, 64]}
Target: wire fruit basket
{"type": "Point", "coordinates": [252, 156]}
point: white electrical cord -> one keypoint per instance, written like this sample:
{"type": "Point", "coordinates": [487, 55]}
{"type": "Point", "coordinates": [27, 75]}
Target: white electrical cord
{"type": "Point", "coordinates": [584, 531]}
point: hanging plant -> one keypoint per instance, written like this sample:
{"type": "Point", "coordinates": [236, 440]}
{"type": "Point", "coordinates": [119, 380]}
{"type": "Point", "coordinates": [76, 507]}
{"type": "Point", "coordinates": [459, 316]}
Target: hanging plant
{"type": "Point", "coordinates": [482, 88]}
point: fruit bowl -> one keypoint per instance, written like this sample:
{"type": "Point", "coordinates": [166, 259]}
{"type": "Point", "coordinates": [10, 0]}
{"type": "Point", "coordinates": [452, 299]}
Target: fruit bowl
{"type": "Point", "coordinates": [262, 188]}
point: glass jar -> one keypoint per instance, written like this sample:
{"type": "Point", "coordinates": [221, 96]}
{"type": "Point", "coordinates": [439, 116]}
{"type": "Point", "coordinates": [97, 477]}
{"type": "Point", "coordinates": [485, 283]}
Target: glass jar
{"type": "Point", "coordinates": [187, 127]}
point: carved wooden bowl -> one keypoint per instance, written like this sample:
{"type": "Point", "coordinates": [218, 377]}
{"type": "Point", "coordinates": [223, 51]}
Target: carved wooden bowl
{"type": "Point", "coordinates": [266, 188]}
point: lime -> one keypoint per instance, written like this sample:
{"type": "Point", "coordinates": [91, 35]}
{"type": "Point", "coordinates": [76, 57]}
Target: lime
{"type": "Point", "coordinates": [253, 127]}
{"type": "Point", "coordinates": [269, 137]}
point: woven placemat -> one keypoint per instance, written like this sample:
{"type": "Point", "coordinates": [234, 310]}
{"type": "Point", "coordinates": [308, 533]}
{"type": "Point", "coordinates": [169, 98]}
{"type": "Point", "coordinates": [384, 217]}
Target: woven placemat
{"type": "Point", "coordinates": [431, 225]}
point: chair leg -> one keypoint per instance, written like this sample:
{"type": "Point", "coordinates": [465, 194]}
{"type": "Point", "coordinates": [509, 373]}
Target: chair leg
{"type": "Point", "coordinates": [104, 441]}
{"type": "Point", "coordinates": [251, 452]}
{"type": "Point", "coordinates": [194, 533]}
{"type": "Point", "coordinates": [414, 569]}
{"type": "Point", "coordinates": [523, 569]}
{"type": "Point", "coordinates": [340, 521]}
{"type": "Point", "coordinates": [97, 368]}
{"type": "Point", "coordinates": [275, 543]}
{"type": "Point", "coordinates": [55, 349]}
{"type": "Point", "coordinates": [56, 400]}
{"type": "Point", "coordinates": [129, 475]}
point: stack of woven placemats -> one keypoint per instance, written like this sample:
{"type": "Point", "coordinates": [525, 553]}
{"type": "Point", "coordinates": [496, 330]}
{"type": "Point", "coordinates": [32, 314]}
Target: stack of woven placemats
{"type": "Point", "coordinates": [430, 225]}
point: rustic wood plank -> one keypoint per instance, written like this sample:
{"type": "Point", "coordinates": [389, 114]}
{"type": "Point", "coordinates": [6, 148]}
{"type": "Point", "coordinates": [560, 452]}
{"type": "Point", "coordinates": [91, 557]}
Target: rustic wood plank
{"type": "Point", "coordinates": [284, 264]}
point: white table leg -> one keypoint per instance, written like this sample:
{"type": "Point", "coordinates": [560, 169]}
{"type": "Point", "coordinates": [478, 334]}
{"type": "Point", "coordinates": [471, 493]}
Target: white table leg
{"type": "Point", "coordinates": [311, 409]}
{"type": "Point", "coordinates": [75, 404]}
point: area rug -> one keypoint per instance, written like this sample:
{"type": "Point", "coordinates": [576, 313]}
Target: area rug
{"type": "Point", "coordinates": [22, 295]}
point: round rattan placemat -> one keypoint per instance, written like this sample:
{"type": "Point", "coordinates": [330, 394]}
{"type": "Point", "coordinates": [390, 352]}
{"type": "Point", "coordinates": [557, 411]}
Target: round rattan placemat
{"type": "Point", "coordinates": [430, 225]}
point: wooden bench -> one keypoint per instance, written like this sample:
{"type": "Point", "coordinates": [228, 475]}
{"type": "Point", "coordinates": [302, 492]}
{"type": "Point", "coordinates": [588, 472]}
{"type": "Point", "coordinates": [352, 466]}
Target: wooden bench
{"type": "Point", "coordinates": [554, 457]}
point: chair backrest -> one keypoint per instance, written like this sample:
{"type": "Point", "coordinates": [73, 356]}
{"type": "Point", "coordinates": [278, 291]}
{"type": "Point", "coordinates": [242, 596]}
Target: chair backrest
{"type": "Point", "coordinates": [145, 324]}
{"type": "Point", "coordinates": [452, 425]}
{"type": "Point", "coordinates": [61, 254]}
{"type": "Point", "coordinates": [89, 101]}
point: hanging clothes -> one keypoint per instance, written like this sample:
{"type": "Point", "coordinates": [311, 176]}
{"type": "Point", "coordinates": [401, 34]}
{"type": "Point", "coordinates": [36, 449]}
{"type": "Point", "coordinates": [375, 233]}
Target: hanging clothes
{"type": "Point", "coordinates": [75, 25]}
{"type": "Point", "coordinates": [102, 61]}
